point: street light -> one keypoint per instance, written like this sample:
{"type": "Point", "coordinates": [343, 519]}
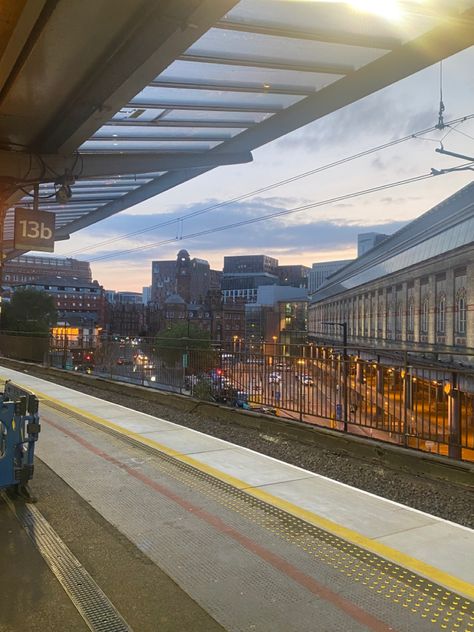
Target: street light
{"type": "Point", "coordinates": [344, 368]}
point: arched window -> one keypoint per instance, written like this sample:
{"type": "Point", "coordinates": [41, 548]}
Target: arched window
{"type": "Point", "coordinates": [425, 310]}
{"type": "Point", "coordinates": [461, 312]}
{"type": "Point", "coordinates": [441, 315]}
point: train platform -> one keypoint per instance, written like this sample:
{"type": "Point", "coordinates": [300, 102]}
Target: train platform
{"type": "Point", "coordinates": [142, 524]}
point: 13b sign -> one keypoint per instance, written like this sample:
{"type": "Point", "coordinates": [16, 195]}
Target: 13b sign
{"type": "Point", "coordinates": [34, 230]}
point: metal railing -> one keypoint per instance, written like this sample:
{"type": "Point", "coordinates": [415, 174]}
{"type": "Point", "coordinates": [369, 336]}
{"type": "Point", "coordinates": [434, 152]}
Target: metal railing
{"type": "Point", "coordinates": [414, 403]}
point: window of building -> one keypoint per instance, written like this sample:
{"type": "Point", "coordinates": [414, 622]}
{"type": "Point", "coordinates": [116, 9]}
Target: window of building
{"type": "Point", "coordinates": [441, 316]}
{"type": "Point", "coordinates": [399, 317]}
{"type": "Point", "coordinates": [425, 310]}
{"type": "Point", "coordinates": [411, 316]}
{"type": "Point", "coordinates": [461, 313]}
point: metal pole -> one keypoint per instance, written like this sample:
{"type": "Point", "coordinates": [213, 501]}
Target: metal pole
{"type": "Point", "coordinates": [345, 373]}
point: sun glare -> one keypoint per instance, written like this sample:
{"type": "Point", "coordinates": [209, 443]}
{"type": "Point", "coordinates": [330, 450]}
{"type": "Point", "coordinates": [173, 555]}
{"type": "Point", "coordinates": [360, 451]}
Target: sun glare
{"type": "Point", "coordinates": [389, 9]}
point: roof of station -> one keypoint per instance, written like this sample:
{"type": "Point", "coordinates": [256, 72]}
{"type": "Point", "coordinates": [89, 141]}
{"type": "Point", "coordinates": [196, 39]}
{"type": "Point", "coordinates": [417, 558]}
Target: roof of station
{"type": "Point", "coordinates": [188, 90]}
{"type": "Point", "coordinates": [446, 227]}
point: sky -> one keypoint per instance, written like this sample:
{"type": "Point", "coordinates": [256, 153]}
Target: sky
{"type": "Point", "coordinates": [323, 233]}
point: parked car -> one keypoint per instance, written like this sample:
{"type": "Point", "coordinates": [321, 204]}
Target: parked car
{"type": "Point", "coordinates": [274, 378]}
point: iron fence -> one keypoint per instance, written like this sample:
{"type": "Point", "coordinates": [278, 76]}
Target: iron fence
{"type": "Point", "coordinates": [414, 403]}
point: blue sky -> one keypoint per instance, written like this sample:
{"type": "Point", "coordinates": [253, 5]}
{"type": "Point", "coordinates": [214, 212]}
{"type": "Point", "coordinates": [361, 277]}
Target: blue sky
{"type": "Point", "coordinates": [324, 233]}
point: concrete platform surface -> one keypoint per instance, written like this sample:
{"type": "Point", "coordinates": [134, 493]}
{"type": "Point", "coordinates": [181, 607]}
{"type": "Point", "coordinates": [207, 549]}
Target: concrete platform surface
{"type": "Point", "coordinates": [258, 544]}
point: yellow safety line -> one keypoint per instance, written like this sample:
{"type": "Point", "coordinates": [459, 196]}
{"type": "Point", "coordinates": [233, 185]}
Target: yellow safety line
{"type": "Point", "coordinates": [402, 559]}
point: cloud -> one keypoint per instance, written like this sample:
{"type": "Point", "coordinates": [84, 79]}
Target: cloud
{"type": "Point", "coordinates": [272, 237]}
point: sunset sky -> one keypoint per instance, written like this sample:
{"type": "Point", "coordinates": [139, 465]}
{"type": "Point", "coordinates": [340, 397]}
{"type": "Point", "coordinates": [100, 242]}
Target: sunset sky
{"type": "Point", "coordinates": [323, 233]}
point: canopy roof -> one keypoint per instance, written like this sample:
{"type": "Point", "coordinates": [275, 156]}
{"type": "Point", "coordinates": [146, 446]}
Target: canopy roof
{"type": "Point", "coordinates": [154, 94]}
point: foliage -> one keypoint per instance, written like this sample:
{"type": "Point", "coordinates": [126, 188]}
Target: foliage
{"type": "Point", "coordinates": [29, 311]}
{"type": "Point", "coordinates": [202, 390]}
{"type": "Point", "coordinates": [173, 342]}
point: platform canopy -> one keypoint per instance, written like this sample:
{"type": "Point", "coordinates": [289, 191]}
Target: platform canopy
{"type": "Point", "coordinates": [129, 99]}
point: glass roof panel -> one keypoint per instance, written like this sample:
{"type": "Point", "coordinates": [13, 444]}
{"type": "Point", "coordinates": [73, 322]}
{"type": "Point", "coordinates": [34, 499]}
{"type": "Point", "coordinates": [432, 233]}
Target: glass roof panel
{"type": "Point", "coordinates": [170, 97]}
{"type": "Point", "coordinates": [334, 17]}
{"type": "Point", "coordinates": [265, 48]}
{"type": "Point", "coordinates": [157, 132]}
{"type": "Point", "coordinates": [182, 70]}
{"type": "Point", "coordinates": [144, 145]}
{"type": "Point", "coordinates": [222, 117]}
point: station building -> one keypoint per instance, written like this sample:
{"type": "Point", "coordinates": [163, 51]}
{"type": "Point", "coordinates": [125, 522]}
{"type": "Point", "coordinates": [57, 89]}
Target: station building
{"type": "Point", "coordinates": [415, 290]}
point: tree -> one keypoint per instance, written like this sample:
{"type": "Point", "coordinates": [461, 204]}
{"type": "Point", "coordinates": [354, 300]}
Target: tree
{"type": "Point", "coordinates": [29, 311]}
{"type": "Point", "coordinates": [180, 338]}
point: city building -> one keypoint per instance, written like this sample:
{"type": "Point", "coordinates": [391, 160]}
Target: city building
{"type": "Point", "coordinates": [133, 298]}
{"type": "Point", "coordinates": [126, 319]}
{"type": "Point", "coordinates": [367, 241]}
{"type": "Point", "coordinates": [146, 295]}
{"type": "Point", "coordinates": [163, 280]}
{"type": "Point", "coordinates": [321, 271]}
{"type": "Point", "coordinates": [32, 268]}
{"type": "Point", "coordinates": [294, 275]}
{"type": "Point", "coordinates": [244, 274]}
{"type": "Point", "coordinates": [191, 279]}
{"type": "Point", "coordinates": [266, 319]}
{"type": "Point", "coordinates": [82, 299]}
{"type": "Point", "coordinates": [415, 290]}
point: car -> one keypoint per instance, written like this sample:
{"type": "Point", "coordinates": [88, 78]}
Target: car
{"type": "Point", "coordinates": [307, 380]}
{"type": "Point", "coordinates": [280, 366]}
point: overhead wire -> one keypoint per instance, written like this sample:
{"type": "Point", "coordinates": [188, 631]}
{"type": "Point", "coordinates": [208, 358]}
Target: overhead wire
{"type": "Point", "coordinates": [212, 207]}
{"type": "Point", "coordinates": [268, 216]}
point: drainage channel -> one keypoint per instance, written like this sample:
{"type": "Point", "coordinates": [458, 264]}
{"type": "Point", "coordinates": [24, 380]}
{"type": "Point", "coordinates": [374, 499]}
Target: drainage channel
{"type": "Point", "coordinates": [408, 592]}
{"type": "Point", "coordinates": [93, 605]}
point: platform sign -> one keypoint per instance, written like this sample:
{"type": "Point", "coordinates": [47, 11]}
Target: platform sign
{"type": "Point", "coordinates": [34, 230]}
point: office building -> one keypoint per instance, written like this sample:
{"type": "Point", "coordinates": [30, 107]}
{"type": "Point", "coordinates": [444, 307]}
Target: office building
{"type": "Point", "coordinates": [32, 268]}
{"type": "Point", "coordinates": [321, 271]}
{"type": "Point", "coordinates": [244, 274]}
{"type": "Point", "coordinates": [294, 275]}
{"type": "Point", "coordinates": [367, 241]}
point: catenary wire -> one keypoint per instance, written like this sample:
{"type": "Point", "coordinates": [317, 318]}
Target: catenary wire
{"type": "Point", "coordinates": [274, 185]}
{"type": "Point", "coordinates": [268, 216]}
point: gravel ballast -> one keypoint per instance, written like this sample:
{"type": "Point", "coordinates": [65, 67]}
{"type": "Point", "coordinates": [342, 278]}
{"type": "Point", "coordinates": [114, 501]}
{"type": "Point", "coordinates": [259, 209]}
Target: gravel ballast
{"type": "Point", "coordinates": [439, 498]}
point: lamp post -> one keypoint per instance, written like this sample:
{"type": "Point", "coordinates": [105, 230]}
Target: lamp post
{"type": "Point", "coordinates": [344, 369]}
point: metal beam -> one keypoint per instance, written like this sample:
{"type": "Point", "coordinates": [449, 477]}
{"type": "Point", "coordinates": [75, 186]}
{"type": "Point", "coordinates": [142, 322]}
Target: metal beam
{"type": "Point", "coordinates": [234, 87]}
{"type": "Point", "coordinates": [207, 107]}
{"type": "Point", "coordinates": [23, 167]}
{"type": "Point", "coordinates": [333, 37]}
{"type": "Point", "coordinates": [331, 69]}
{"type": "Point", "coordinates": [183, 123]}
{"type": "Point", "coordinates": [443, 41]}
{"type": "Point", "coordinates": [152, 139]}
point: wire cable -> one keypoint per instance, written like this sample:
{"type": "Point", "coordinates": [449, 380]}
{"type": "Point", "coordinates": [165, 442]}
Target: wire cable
{"type": "Point", "coordinates": [269, 187]}
{"type": "Point", "coordinates": [268, 216]}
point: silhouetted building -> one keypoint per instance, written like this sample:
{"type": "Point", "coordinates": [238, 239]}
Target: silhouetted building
{"type": "Point", "coordinates": [322, 271]}
{"type": "Point", "coordinates": [367, 241]}
{"type": "Point", "coordinates": [243, 275]}
{"type": "Point", "coordinates": [189, 278]}
{"type": "Point", "coordinates": [294, 275]}
{"type": "Point", "coordinates": [31, 268]}
{"type": "Point", "coordinates": [73, 297]}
